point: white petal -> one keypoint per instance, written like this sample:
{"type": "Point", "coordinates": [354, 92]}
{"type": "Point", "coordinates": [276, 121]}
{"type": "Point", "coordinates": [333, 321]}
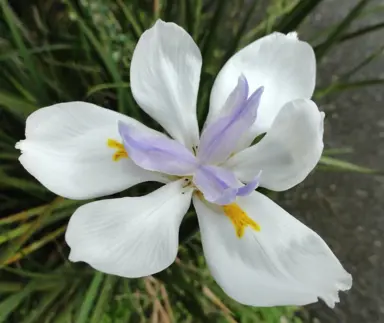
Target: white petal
{"type": "Point", "coordinates": [285, 263]}
{"type": "Point", "coordinates": [288, 152]}
{"type": "Point", "coordinates": [285, 66]}
{"type": "Point", "coordinates": [165, 75]}
{"type": "Point", "coordinates": [66, 150]}
{"type": "Point", "coordinates": [131, 236]}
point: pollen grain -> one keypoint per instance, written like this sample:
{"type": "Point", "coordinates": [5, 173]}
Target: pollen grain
{"type": "Point", "coordinates": [120, 150]}
{"type": "Point", "coordinates": [239, 219]}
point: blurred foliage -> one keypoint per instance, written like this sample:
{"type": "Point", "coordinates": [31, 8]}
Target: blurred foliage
{"type": "Point", "coordinates": [63, 50]}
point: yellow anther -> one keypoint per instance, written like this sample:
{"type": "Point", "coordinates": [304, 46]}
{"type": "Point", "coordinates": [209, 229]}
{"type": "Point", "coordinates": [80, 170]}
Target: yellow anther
{"type": "Point", "coordinates": [115, 144]}
{"type": "Point", "coordinates": [239, 219]}
{"type": "Point", "coordinates": [120, 150]}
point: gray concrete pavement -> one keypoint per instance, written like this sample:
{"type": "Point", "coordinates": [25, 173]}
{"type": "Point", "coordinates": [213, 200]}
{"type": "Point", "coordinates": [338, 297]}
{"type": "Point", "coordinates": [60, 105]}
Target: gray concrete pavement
{"type": "Point", "coordinates": [347, 209]}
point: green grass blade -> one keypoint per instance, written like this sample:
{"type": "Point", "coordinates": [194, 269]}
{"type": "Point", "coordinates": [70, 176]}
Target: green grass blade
{"type": "Point", "coordinates": [23, 215]}
{"type": "Point", "coordinates": [106, 86]}
{"type": "Point", "coordinates": [66, 315]}
{"type": "Point", "coordinates": [24, 52]}
{"type": "Point", "coordinates": [167, 10]}
{"type": "Point", "coordinates": [9, 156]}
{"type": "Point", "coordinates": [37, 244]}
{"type": "Point", "coordinates": [8, 305]}
{"type": "Point", "coordinates": [90, 298]}
{"type": "Point", "coordinates": [188, 227]}
{"type": "Point", "coordinates": [208, 46]}
{"type": "Point", "coordinates": [32, 188]}
{"type": "Point", "coordinates": [341, 165]}
{"type": "Point", "coordinates": [342, 84]}
{"type": "Point", "coordinates": [214, 27]}
{"type": "Point", "coordinates": [337, 151]}
{"type": "Point", "coordinates": [41, 277]}
{"type": "Point", "coordinates": [22, 228]}
{"type": "Point", "coordinates": [261, 28]}
{"type": "Point", "coordinates": [293, 19]}
{"type": "Point", "coordinates": [362, 31]}
{"type": "Point", "coordinates": [105, 55]}
{"type": "Point", "coordinates": [235, 41]}
{"type": "Point", "coordinates": [10, 287]}
{"type": "Point", "coordinates": [22, 90]}
{"type": "Point", "coordinates": [17, 106]}
{"type": "Point", "coordinates": [338, 87]}
{"type": "Point", "coordinates": [65, 308]}
{"type": "Point", "coordinates": [36, 50]}
{"type": "Point", "coordinates": [322, 49]}
{"type": "Point", "coordinates": [5, 138]}
{"type": "Point", "coordinates": [185, 17]}
{"type": "Point", "coordinates": [14, 248]}
{"type": "Point", "coordinates": [74, 66]}
{"type": "Point", "coordinates": [104, 298]}
{"type": "Point", "coordinates": [44, 304]}
{"type": "Point", "coordinates": [14, 233]}
{"type": "Point", "coordinates": [376, 54]}
{"type": "Point", "coordinates": [128, 13]}
{"type": "Point", "coordinates": [198, 5]}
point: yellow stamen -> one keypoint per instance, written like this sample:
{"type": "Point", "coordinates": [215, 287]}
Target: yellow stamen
{"type": "Point", "coordinates": [239, 219]}
{"type": "Point", "coordinates": [120, 150]}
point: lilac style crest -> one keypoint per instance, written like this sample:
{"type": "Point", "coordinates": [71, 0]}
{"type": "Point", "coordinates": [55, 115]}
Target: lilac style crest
{"type": "Point", "coordinates": [220, 138]}
{"type": "Point", "coordinates": [218, 141]}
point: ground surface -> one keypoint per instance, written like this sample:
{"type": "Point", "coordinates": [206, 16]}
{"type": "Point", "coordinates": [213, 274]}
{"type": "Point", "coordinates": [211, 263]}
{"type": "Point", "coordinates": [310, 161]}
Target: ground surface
{"type": "Point", "coordinates": [346, 209]}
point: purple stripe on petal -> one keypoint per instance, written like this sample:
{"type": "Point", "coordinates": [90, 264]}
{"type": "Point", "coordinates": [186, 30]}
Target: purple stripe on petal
{"type": "Point", "coordinates": [156, 152]}
{"type": "Point", "coordinates": [218, 185]}
{"type": "Point", "coordinates": [219, 139]}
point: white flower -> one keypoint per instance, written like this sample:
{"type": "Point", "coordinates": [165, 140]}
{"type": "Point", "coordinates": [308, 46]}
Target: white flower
{"type": "Point", "coordinates": [258, 253]}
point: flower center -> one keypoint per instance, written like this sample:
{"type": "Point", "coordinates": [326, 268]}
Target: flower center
{"type": "Point", "coordinates": [239, 219]}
